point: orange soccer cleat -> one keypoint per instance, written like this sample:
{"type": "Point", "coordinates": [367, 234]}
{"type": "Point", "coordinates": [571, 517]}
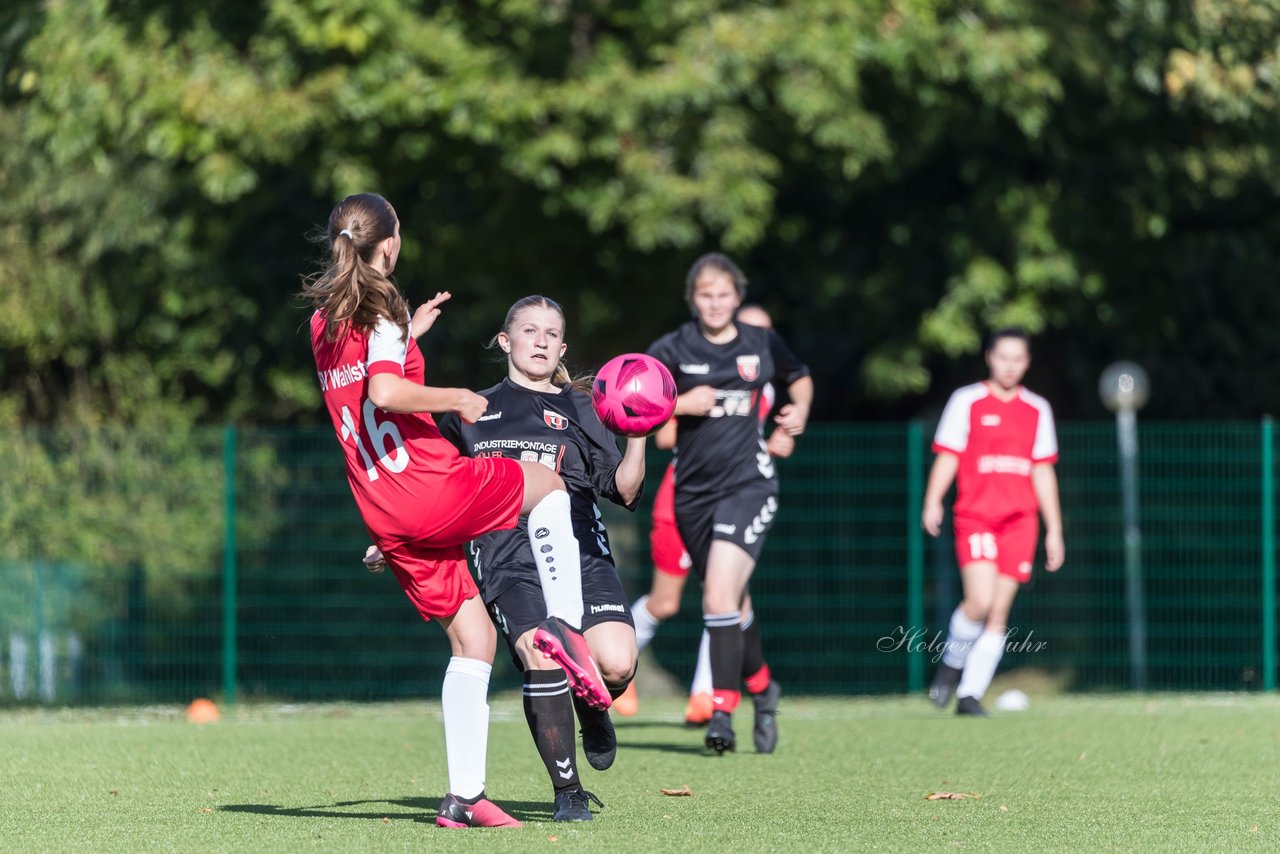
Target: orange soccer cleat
{"type": "Point", "coordinates": [628, 703]}
{"type": "Point", "coordinates": [698, 711]}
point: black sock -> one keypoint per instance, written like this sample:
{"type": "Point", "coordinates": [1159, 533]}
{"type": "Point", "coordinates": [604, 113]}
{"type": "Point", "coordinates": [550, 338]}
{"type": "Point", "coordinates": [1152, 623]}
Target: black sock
{"type": "Point", "coordinates": [725, 640]}
{"type": "Point", "coordinates": [549, 711]}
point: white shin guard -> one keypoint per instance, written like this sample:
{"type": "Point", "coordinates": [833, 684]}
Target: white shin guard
{"type": "Point", "coordinates": [555, 550]}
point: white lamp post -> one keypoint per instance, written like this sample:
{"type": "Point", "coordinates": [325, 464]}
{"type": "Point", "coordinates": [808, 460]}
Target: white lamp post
{"type": "Point", "coordinates": [1124, 389]}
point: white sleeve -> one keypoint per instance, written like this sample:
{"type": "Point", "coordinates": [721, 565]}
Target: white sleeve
{"type": "Point", "coordinates": [953, 428]}
{"type": "Point", "coordinates": [387, 345]}
{"type": "Point", "coordinates": [1045, 447]}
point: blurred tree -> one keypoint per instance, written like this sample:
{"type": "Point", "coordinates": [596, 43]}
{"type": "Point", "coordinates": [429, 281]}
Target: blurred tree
{"type": "Point", "coordinates": [896, 177]}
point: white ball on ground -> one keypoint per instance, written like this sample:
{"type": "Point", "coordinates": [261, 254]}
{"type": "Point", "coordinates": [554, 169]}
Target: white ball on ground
{"type": "Point", "coordinates": [1013, 700]}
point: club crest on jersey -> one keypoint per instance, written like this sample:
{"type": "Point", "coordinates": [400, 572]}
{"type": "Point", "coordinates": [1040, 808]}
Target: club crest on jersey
{"type": "Point", "coordinates": [749, 368]}
{"type": "Point", "coordinates": [554, 420]}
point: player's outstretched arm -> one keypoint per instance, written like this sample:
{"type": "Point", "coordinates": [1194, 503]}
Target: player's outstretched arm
{"type": "Point", "coordinates": [795, 415]}
{"type": "Point", "coordinates": [629, 475]}
{"type": "Point", "coordinates": [396, 394]}
{"type": "Point", "coordinates": [940, 478]}
{"type": "Point", "coordinates": [1044, 480]}
{"type": "Point", "coordinates": [427, 314]}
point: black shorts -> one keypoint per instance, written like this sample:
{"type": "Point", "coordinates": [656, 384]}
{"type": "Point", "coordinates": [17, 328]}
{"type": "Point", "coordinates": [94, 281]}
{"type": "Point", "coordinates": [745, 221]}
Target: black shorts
{"type": "Point", "coordinates": [742, 517]}
{"type": "Point", "coordinates": [519, 606]}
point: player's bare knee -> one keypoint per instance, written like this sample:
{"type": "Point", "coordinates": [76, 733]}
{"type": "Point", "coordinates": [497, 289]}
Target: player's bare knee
{"type": "Point", "coordinates": [718, 602]}
{"type": "Point", "coordinates": [618, 667]}
{"type": "Point", "coordinates": [662, 607]}
{"type": "Point", "coordinates": [532, 658]}
{"type": "Point", "coordinates": [479, 642]}
{"type": "Point", "coordinates": [539, 482]}
{"type": "Point", "coordinates": [976, 609]}
{"type": "Point", "coordinates": [997, 622]}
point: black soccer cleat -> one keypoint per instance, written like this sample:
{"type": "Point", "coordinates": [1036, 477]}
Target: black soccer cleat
{"type": "Point", "coordinates": [945, 682]}
{"type": "Point", "coordinates": [720, 733]}
{"type": "Point", "coordinates": [970, 706]}
{"type": "Point", "coordinates": [574, 805]}
{"type": "Point", "coordinates": [766, 730]}
{"type": "Point", "coordinates": [599, 741]}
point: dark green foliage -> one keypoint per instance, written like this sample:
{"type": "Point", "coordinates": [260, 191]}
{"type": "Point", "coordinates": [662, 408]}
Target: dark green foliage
{"type": "Point", "coordinates": [896, 177]}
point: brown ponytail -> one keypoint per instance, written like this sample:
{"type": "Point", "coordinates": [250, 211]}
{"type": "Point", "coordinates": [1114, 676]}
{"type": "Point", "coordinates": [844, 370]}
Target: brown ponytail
{"type": "Point", "coordinates": [351, 290]}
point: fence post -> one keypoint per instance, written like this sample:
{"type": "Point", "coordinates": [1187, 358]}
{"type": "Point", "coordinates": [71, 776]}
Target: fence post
{"type": "Point", "coordinates": [915, 552]}
{"type": "Point", "coordinates": [229, 570]}
{"type": "Point", "coordinates": [1268, 556]}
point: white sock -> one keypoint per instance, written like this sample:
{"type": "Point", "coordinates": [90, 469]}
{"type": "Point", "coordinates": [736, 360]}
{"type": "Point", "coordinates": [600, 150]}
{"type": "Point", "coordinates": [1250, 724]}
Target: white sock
{"type": "Point", "coordinates": [466, 724]}
{"type": "Point", "coordinates": [702, 673]}
{"type": "Point", "coordinates": [981, 666]}
{"type": "Point", "coordinates": [556, 551]}
{"type": "Point", "coordinates": [960, 638]}
{"type": "Point", "coordinates": [646, 623]}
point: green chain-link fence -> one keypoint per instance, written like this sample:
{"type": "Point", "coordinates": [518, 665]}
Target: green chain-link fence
{"type": "Point", "coordinates": [124, 581]}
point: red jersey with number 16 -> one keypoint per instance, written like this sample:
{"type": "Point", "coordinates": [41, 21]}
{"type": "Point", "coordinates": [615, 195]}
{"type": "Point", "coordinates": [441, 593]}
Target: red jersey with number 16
{"type": "Point", "coordinates": [997, 442]}
{"type": "Point", "coordinates": [398, 464]}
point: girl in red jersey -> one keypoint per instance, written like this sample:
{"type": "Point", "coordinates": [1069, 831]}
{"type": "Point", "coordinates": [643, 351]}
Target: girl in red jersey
{"type": "Point", "coordinates": [420, 500]}
{"type": "Point", "coordinates": [996, 440]}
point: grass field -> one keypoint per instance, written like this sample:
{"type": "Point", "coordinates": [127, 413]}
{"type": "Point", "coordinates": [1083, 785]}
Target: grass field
{"type": "Point", "coordinates": [1125, 772]}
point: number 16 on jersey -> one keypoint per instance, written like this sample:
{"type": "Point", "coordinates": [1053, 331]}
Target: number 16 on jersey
{"type": "Point", "coordinates": [385, 439]}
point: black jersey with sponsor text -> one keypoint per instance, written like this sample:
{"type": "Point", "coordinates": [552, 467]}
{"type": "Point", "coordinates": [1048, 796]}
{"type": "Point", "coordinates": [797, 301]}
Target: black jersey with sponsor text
{"type": "Point", "coordinates": [561, 431]}
{"type": "Point", "coordinates": [723, 449]}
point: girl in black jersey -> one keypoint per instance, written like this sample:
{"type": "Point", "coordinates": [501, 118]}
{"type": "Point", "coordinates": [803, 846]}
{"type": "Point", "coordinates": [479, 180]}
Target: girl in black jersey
{"type": "Point", "coordinates": [536, 414]}
{"type": "Point", "coordinates": [726, 495]}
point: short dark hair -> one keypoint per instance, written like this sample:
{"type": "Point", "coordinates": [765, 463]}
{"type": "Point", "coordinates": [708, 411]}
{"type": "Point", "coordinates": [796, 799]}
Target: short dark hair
{"type": "Point", "coordinates": [716, 261]}
{"type": "Point", "coordinates": [1007, 332]}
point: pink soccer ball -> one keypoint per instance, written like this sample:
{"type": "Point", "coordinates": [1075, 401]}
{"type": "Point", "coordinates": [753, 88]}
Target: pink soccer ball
{"type": "Point", "coordinates": [633, 394]}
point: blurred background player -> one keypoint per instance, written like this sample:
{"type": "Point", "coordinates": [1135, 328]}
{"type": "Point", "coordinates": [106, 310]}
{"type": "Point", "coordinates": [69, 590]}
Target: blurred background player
{"type": "Point", "coordinates": [726, 494]}
{"type": "Point", "coordinates": [671, 560]}
{"type": "Point", "coordinates": [537, 414]}
{"type": "Point", "coordinates": [996, 440]}
{"type": "Point", "coordinates": [420, 500]}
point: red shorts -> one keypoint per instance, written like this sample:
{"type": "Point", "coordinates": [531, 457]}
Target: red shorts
{"type": "Point", "coordinates": [483, 496]}
{"type": "Point", "coordinates": [1009, 544]}
{"type": "Point", "coordinates": [436, 580]}
{"type": "Point", "coordinates": [665, 546]}
{"type": "Point", "coordinates": [433, 572]}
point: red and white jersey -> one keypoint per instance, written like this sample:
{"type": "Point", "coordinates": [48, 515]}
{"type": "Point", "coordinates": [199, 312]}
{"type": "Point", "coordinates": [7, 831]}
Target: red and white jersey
{"type": "Point", "coordinates": [997, 442]}
{"type": "Point", "coordinates": [395, 461]}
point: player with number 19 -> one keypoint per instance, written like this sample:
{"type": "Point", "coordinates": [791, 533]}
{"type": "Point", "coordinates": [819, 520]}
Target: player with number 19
{"type": "Point", "coordinates": [996, 440]}
{"type": "Point", "coordinates": [419, 499]}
